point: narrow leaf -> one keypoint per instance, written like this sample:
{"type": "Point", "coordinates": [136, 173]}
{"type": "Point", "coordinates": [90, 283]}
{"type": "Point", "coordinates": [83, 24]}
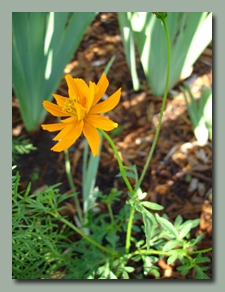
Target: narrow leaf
{"type": "Point", "coordinates": [171, 244]}
{"type": "Point", "coordinates": [148, 229]}
{"type": "Point", "coordinates": [152, 205]}
{"type": "Point", "coordinates": [167, 225]}
{"type": "Point", "coordinates": [184, 231]}
{"type": "Point", "coordinates": [129, 45]}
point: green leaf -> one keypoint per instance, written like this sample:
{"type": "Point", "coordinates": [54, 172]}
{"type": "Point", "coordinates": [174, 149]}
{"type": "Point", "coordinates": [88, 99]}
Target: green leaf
{"type": "Point", "coordinates": [196, 240]}
{"type": "Point", "coordinates": [133, 174]}
{"type": "Point", "coordinates": [152, 205]}
{"type": "Point", "coordinates": [129, 269]}
{"type": "Point", "coordinates": [171, 244]}
{"type": "Point", "coordinates": [136, 258]}
{"type": "Point", "coordinates": [190, 33]}
{"type": "Point", "coordinates": [42, 44]}
{"type": "Point", "coordinates": [113, 239]}
{"type": "Point", "coordinates": [124, 19]}
{"type": "Point", "coordinates": [147, 264]}
{"type": "Point", "coordinates": [192, 107]}
{"type": "Point", "coordinates": [184, 231]}
{"type": "Point", "coordinates": [205, 108]}
{"type": "Point", "coordinates": [127, 173]}
{"type": "Point", "coordinates": [200, 273]}
{"type": "Point", "coordinates": [171, 259]}
{"type": "Point", "coordinates": [136, 228]}
{"type": "Point", "coordinates": [176, 254]}
{"type": "Point", "coordinates": [167, 225]}
{"type": "Point", "coordinates": [201, 117]}
{"type": "Point", "coordinates": [112, 275]}
{"type": "Point", "coordinates": [125, 275]}
{"type": "Point", "coordinates": [139, 207]}
{"type": "Point", "coordinates": [151, 217]}
{"type": "Point", "coordinates": [140, 243]}
{"type": "Point", "coordinates": [201, 259]}
{"type": "Point", "coordinates": [194, 223]}
{"type": "Point", "coordinates": [184, 269]}
{"type": "Point", "coordinates": [155, 272]}
{"type": "Point", "coordinates": [148, 229]}
{"type": "Point", "coordinates": [178, 221]}
{"type": "Point", "coordinates": [109, 65]}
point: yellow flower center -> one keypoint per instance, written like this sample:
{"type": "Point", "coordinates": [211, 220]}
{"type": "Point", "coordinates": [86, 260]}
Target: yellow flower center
{"type": "Point", "coordinates": [73, 108]}
{"type": "Point", "coordinates": [69, 106]}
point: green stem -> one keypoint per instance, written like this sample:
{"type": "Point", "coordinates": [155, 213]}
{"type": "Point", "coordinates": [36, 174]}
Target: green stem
{"type": "Point", "coordinates": [119, 161]}
{"type": "Point", "coordinates": [110, 212]}
{"type": "Point", "coordinates": [71, 183]}
{"type": "Point", "coordinates": [84, 235]}
{"type": "Point", "coordinates": [149, 252]}
{"type": "Point", "coordinates": [129, 228]}
{"type": "Point", "coordinates": [162, 109]}
{"type": "Point", "coordinates": [200, 251]}
{"type": "Point", "coordinates": [158, 252]}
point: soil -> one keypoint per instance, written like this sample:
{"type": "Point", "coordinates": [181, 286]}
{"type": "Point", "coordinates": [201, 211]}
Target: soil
{"type": "Point", "coordinates": [180, 174]}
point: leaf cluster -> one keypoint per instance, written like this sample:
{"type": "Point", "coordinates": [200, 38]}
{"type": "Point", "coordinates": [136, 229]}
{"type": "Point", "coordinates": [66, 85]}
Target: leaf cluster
{"type": "Point", "coordinates": [20, 146]}
{"type": "Point", "coordinates": [38, 245]}
{"type": "Point", "coordinates": [190, 33]}
{"type": "Point", "coordinates": [42, 245]}
{"type": "Point", "coordinates": [162, 237]}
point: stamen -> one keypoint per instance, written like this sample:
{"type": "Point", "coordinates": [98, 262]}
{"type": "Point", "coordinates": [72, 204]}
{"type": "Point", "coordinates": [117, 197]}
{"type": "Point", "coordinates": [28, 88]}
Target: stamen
{"type": "Point", "coordinates": [74, 108]}
{"type": "Point", "coordinates": [69, 107]}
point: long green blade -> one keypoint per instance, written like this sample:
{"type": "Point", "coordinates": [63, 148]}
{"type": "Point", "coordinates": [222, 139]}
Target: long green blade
{"type": "Point", "coordinates": [190, 33]}
{"type": "Point", "coordinates": [124, 19]}
{"type": "Point", "coordinates": [43, 43]}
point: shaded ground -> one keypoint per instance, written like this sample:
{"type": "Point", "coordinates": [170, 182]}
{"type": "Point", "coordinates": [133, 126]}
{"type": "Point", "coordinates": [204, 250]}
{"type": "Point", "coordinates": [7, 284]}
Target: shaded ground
{"type": "Point", "coordinates": [180, 173]}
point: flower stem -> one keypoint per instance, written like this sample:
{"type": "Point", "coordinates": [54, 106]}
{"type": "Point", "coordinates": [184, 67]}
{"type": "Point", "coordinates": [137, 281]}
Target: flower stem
{"type": "Point", "coordinates": [71, 183]}
{"type": "Point", "coordinates": [110, 212]}
{"type": "Point", "coordinates": [200, 251]}
{"type": "Point", "coordinates": [162, 109]}
{"type": "Point", "coordinates": [119, 161]}
{"type": "Point", "coordinates": [129, 227]}
{"type": "Point", "coordinates": [84, 235]}
{"type": "Point", "coordinates": [150, 252]}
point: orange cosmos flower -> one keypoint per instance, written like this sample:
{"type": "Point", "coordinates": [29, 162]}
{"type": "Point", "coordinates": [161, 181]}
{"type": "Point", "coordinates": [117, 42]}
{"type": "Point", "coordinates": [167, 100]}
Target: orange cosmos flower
{"type": "Point", "coordinates": [83, 112]}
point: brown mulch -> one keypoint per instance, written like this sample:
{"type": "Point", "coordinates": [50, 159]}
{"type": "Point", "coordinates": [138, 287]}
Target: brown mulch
{"type": "Point", "coordinates": [180, 174]}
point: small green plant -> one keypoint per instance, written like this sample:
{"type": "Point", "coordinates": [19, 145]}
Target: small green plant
{"type": "Point", "coordinates": [37, 244]}
{"type": "Point", "coordinates": [20, 146]}
{"type": "Point", "coordinates": [41, 250]}
{"type": "Point", "coordinates": [201, 114]}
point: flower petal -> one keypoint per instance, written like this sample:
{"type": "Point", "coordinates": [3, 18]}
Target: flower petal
{"type": "Point", "coordinates": [102, 85]}
{"type": "Point", "coordinates": [53, 127]}
{"type": "Point", "coordinates": [82, 89]}
{"type": "Point", "coordinates": [106, 105]}
{"type": "Point", "coordinates": [92, 136]}
{"type": "Point", "coordinates": [60, 99]}
{"type": "Point", "coordinates": [90, 97]}
{"type": "Point", "coordinates": [101, 122]}
{"type": "Point", "coordinates": [65, 143]}
{"type": "Point", "coordinates": [71, 86]}
{"type": "Point", "coordinates": [80, 111]}
{"type": "Point", "coordinates": [67, 131]}
{"type": "Point", "coordinates": [54, 109]}
{"type": "Point", "coordinates": [69, 120]}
